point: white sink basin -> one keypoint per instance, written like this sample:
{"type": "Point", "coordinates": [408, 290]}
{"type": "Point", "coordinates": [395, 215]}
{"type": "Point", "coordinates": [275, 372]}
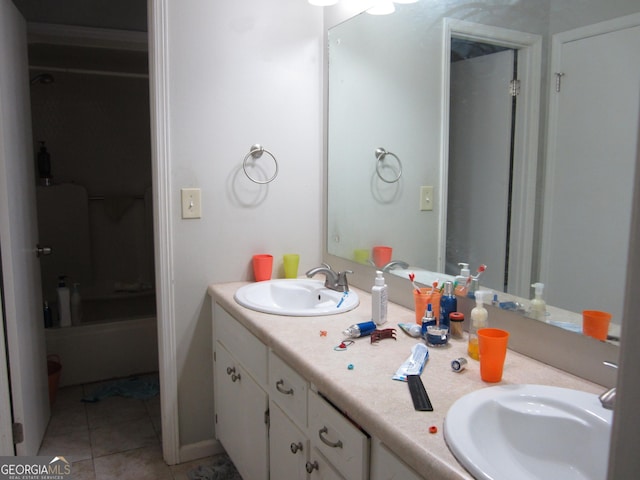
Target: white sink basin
{"type": "Point", "coordinates": [530, 432]}
{"type": "Point", "coordinates": [297, 297]}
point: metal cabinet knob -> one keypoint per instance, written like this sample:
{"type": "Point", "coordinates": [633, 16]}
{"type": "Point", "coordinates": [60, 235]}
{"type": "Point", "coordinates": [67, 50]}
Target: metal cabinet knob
{"type": "Point", "coordinates": [296, 447]}
{"type": "Point", "coordinates": [310, 467]}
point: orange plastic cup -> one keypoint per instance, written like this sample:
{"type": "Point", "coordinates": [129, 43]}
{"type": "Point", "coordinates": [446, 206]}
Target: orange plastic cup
{"type": "Point", "coordinates": [381, 255]}
{"type": "Point", "coordinates": [493, 350]}
{"type": "Point", "coordinates": [422, 299]}
{"type": "Point", "coordinates": [262, 267]}
{"type": "Point", "coordinates": [596, 324]}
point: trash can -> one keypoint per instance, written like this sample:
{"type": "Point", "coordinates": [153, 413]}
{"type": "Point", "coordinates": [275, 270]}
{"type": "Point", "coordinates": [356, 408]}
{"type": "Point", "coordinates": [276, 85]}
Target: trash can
{"type": "Point", "coordinates": [54, 368]}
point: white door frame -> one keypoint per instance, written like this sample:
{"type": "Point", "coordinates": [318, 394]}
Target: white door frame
{"type": "Point", "coordinates": [163, 229]}
{"type": "Point", "coordinates": [529, 48]}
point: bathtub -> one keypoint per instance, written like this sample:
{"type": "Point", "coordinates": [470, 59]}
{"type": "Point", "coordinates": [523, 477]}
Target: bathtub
{"type": "Point", "coordinates": [105, 349]}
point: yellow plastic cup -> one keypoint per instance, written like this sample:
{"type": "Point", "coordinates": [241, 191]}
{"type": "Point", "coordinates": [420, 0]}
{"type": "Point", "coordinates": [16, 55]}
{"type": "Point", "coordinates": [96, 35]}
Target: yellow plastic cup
{"type": "Point", "coordinates": [290, 262]}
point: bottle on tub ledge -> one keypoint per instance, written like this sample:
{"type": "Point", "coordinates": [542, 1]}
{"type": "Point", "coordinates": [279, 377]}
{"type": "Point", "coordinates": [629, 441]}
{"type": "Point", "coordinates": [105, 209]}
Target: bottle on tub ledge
{"type": "Point", "coordinates": [76, 305]}
{"type": "Point", "coordinates": [64, 302]}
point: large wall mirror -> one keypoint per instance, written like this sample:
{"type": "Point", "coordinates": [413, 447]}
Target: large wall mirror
{"type": "Point", "coordinates": [488, 132]}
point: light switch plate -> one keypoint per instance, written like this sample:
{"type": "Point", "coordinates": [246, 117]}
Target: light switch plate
{"type": "Point", "coordinates": [191, 203]}
{"type": "Point", "coordinates": [426, 198]}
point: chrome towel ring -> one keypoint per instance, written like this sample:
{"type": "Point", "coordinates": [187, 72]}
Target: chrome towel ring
{"type": "Point", "coordinates": [381, 153]}
{"type": "Point", "coordinates": [256, 152]}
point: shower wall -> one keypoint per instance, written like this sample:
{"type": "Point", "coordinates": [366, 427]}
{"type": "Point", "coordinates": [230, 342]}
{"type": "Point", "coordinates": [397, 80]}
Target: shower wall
{"type": "Point", "coordinates": [94, 118]}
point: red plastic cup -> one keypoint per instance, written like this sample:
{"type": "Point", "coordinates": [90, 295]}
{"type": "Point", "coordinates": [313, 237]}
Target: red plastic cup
{"type": "Point", "coordinates": [262, 267]}
{"type": "Point", "coordinates": [381, 255]}
{"type": "Point", "coordinates": [596, 324]}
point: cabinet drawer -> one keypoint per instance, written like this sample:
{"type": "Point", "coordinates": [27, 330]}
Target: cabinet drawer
{"type": "Point", "coordinates": [288, 389]}
{"type": "Point", "coordinates": [250, 352]}
{"type": "Point", "coordinates": [344, 445]}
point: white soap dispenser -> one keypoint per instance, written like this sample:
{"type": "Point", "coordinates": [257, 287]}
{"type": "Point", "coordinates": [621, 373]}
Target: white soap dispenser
{"type": "Point", "coordinates": [462, 279]}
{"type": "Point", "coordinates": [538, 305]}
{"type": "Point", "coordinates": [479, 319]}
{"type": "Point", "coordinates": [379, 300]}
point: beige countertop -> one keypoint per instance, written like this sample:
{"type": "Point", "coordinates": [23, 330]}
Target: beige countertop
{"type": "Point", "coordinates": [367, 393]}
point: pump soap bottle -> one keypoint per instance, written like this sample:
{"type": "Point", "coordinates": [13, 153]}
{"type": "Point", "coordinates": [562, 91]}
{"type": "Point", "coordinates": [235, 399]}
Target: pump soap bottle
{"type": "Point", "coordinates": [462, 279]}
{"type": "Point", "coordinates": [379, 297]}
{"type": "Point", "coordinates": [479, 319]}
{"type": "Point", "coordinates": [538, 305]}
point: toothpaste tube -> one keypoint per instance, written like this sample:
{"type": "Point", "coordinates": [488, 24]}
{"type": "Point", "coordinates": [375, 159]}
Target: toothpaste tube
{"type": "Point", "coordinates": [414, 364]}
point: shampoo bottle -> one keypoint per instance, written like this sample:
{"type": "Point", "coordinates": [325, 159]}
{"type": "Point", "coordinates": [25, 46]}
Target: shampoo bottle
{"type": "Point", "coordinates": [538, 305]}
{"type": "Point", "coordinates": [64, 303]}
{"type": "Point", "coordinates": [479, 319]}
{"type": "Point", "coordinates": [76, 305]}
{"type": "Point", "coordinates": [379, 300]}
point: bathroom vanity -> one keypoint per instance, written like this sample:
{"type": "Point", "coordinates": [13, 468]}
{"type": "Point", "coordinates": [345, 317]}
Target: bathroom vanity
{"type": "Point", "coordinates": [289, 405]}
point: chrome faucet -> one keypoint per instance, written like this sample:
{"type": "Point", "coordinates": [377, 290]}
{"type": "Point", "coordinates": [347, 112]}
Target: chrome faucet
{"type": "Point", "coordinates": [333, 280]}
{"type": "Point", "coordinates": [608, 398]}
{"type": "Point", "coordinates": [393, 264]}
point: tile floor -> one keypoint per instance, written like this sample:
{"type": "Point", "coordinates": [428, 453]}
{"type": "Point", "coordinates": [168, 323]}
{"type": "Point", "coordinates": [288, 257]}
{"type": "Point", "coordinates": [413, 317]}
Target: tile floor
{"type": "Point", "coordinates": [115, 438]}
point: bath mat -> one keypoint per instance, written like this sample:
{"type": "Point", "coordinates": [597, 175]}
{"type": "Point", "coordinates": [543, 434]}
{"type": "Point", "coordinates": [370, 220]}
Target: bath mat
{"type": "Point", "coordinates": [142, 388]}
{"type": "Point", "coordinates": [220, 468]}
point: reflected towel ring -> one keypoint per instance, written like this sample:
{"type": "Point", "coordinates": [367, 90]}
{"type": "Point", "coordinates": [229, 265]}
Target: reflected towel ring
{"type": "Point", "coordinates": [255, 152]}
{"type": "Point", "coordinates": [381, 153]}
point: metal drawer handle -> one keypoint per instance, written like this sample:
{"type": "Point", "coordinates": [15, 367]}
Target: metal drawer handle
{"type": "Point", "coordinates": [310, 467]}
{"type": "Point", "coordinates": [296, 447]}
{"type": "Point", "coordinates": [328, 443]}
{"type": "Point", "coordinates": [279, 385]}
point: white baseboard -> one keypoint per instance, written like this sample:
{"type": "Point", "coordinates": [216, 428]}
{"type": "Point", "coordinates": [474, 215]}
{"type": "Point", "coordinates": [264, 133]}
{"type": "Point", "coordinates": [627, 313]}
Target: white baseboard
{"type": "Point", "coordinates": [194, 451]}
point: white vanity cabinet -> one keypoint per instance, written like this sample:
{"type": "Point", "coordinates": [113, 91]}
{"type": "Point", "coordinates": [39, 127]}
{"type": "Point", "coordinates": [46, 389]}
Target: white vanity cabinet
{"type": "Point", "coordinates": [269, 420]}
{"type": "Point", "coordinates": [240, 395]}
{"type": "Point", "coordinates": [387, 466]}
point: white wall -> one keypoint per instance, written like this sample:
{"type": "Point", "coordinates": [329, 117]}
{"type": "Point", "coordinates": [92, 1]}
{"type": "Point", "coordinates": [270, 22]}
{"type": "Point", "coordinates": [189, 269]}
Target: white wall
{"type": "Point", "coordinates": [239, 73]}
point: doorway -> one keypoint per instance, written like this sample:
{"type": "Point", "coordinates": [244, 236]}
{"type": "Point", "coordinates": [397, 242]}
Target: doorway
{"type": "Point", "coordinates": [90, 121]}
{"type": "Point", "coordinates": [482, 112]}
{"type": "Point", "coordinates": [469, 192]}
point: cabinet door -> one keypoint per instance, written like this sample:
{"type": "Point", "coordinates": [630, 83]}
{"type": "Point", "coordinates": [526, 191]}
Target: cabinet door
{"type": "Point", "coordinates": [241, 407]}
{"type": "Point", "coordinates": [320, 468]}
{"type": "Point", "coordinates": [387, 466]}
{"type": "Point", "coordinates": [288, 446]}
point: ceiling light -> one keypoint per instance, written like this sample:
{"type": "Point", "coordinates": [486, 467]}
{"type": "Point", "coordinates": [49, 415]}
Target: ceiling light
{"type": "Point", "coordinates": [382, 8]}
{"type": "Point", "coordinates": [323, 3]}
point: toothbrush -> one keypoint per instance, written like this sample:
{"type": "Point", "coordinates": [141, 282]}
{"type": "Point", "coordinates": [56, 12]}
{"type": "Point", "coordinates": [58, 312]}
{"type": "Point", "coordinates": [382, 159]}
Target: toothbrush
{"type": "Point", "coordinates": [481, 270]}
{"type": "Point", "coordinates": [434, 286]}
{"type": "Point", "coordinates": [412, 277]}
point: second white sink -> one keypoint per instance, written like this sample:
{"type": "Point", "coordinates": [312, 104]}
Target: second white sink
{"type": "Point", "coordinates": [297, 297]}
{"type": "Point", "coordinates": [530, 432]}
